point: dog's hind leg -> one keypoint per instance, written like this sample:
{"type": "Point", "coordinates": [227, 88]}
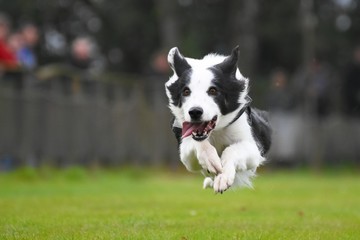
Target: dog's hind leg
{"type": "Point", "coordinates": [208, 183]}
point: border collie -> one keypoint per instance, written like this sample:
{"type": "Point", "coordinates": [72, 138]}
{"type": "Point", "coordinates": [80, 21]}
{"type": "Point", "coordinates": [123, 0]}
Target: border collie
{"type": "Point", "coordinates": [219, 134]}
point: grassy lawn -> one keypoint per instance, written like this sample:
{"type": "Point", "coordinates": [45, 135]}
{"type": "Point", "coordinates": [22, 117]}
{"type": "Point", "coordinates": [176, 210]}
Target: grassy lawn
{"type": "Point", "coordinates": [135, 204]}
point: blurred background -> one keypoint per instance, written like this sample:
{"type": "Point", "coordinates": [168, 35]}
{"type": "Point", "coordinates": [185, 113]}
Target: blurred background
{"type": "Point", "coordinates": [82, 81]}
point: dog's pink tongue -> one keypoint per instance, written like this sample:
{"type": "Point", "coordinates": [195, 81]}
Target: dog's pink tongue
{"type": "Point", "coordinates": [188, 128]}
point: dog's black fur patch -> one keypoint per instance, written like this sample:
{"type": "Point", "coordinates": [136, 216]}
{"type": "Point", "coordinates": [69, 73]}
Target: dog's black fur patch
{"type": "Point", "coordinates": [229, 90]}
{"type": "Point", "coordinates": [180, 63]}
{"type": "Point", "coordinates": [178, 86]}
{"type": "Point", "coordinates": [177, 131]}
{"type": "Point", "coordinates": [261, 129]}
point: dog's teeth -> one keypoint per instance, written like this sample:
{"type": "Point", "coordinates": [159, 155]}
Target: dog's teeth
{"type": "Point", "coordinates": [193, 133]}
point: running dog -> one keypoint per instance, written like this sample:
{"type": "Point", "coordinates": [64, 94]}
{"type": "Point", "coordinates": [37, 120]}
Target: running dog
{"type": "Point", "coordinates": [218, 132]}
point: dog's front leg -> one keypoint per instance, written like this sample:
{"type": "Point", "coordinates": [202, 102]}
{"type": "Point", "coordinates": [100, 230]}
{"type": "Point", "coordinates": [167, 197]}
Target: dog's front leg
{"type": "Point", "coordinates": [238, 157]}
{"type": "Point", "coordinates": [188, 155]}
{"type": "Point", "coordinates": [208, 157]}
{"type": "Point", "coordinates": [200, 156]}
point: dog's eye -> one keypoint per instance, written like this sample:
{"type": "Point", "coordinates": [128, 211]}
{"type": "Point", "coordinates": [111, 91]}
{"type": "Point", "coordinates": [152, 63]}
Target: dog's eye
{"type": "Point", "coordinates": [186, 92]}
{"type": "Point", "coordinates": [212, 91]}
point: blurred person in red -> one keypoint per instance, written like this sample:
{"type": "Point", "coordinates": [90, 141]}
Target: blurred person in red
{"type": "Point", "coordinates": [8, 60]}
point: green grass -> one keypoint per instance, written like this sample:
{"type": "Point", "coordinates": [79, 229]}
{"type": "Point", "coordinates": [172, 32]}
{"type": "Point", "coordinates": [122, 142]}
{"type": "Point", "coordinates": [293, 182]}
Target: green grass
{"type": "Point", "coordinates": [136, 204]}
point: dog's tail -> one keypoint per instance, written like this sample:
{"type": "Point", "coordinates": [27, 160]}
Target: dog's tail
{"type": "Point", "coordinates": [244, 178]}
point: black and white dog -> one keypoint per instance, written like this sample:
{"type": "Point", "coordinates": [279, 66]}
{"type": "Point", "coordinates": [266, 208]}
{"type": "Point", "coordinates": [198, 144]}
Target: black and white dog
{"type": "Point", "coordinates": [218, 132]}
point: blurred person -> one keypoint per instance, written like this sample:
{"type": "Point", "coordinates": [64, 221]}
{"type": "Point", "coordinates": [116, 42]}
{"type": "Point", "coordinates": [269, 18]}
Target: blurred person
{"type": "Point", "coordinates": [159, 65]}
{"type": "Point", "coordinates": [86, 64]}
{"type": "Point", "coordinates": [84, 56]}
{"type": "Point", "coordinates": [10, 77]}
{"type": "Point", "coordinates": [157, 72]}
{"type": "Point", "coordinates": [279, 98]}
{"type": "Point", "coordinates": [313, 88]}
{"type": "Point", "coordinates": [8, 60]}
{"type": "Point", "coordinates": [319, 88]}
{"type": "Point", "coordinates": [81, 53]}
{"type": "Point", "coordinates": [26, 55]}
{"type": "Point", "coordinates": [283, 119]}
{"type": "Point", "coordinates": [351, 88]}
{"type": "Point", "coordinates": [15, 42]}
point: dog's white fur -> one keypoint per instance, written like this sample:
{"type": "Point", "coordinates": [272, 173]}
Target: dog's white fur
{"type": "Point", "coordinates": [230, 153]}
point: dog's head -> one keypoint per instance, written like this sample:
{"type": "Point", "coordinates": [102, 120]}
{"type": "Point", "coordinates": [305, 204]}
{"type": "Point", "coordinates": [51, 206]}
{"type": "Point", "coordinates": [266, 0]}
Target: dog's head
{"type": "Point", "coordinates": [205, 94]}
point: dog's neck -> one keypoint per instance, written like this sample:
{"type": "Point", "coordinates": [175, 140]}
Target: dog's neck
{"type": "Point", "coordinates": [244, 108]}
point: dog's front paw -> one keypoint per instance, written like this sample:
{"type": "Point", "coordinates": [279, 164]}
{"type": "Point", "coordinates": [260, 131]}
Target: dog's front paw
{"type": "Point", "coordinates": [208, 158]}
{"type": "Point", "coordinates": [223, 181]}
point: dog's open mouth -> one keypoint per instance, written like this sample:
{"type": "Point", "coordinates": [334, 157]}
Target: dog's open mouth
{"type": "Point", "coordinates": [199, 130]}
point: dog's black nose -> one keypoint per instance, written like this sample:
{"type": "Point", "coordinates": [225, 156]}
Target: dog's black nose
{"type": "Point", "coordinates": [195, 113]}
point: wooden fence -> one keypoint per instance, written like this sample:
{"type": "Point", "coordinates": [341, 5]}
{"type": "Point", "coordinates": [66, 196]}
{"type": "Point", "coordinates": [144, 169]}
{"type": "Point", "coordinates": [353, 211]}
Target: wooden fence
{"type": "Point", "coordinates": [63, 122]}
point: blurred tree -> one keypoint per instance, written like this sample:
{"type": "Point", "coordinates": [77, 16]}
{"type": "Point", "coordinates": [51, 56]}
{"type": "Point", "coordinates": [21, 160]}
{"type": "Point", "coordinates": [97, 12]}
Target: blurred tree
{"type": "Point", "coordinates": [278, 35]}
{"type": "Point", "coordinates": [168, 23]}
{"type": "Point", "coordinates": [308, 23]}
{"type": "Point", "coordinates": [243, 20]}
{"type": "Point", "coordinates": [128, 32]}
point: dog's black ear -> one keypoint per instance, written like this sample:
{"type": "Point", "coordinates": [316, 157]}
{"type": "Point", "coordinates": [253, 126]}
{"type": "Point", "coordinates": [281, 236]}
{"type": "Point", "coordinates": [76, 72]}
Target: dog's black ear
{"type": "Point", "coordinates": [177, 62]}
{"type": "Point", "coordinates": [229, 65]}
